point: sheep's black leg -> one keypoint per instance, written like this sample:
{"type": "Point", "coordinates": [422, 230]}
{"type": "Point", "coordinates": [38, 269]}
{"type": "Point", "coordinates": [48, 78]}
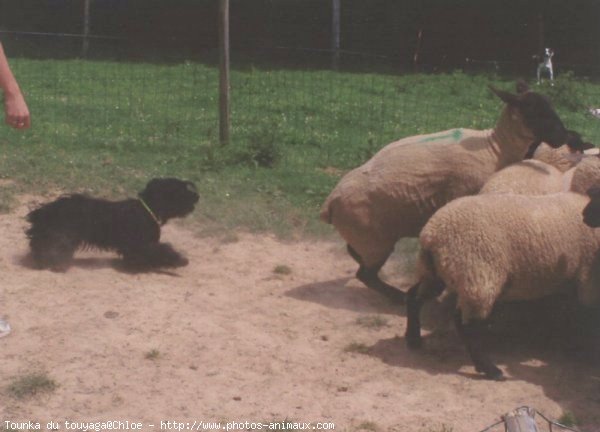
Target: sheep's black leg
{"type": "Point", "coordinates": [370, 277]}
{"type": "Point", "coordinates": [153, 255]}
{"type": "Point", "coordinates": [417, 295]}
{"type": "Point", "coordinates": [413, 316]}
{"type": "Point", "coordinates": [473, 335]}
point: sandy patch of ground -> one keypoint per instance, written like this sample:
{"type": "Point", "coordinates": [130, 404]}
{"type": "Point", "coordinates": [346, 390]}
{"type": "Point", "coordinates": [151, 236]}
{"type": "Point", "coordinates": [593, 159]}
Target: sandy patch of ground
{"type": "Point", "coordinates": [230, 339]}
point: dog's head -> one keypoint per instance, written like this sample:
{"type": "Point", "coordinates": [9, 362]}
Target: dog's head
{"type": "Point", "coordinates": [170, 197]}
{"type": "Point", "coordinates": [548, 53]}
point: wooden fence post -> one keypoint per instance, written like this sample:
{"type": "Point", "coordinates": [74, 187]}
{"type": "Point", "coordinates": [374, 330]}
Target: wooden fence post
{"type": "Point", "coordinates": [335, 33]}
{"type": "Point", "coordinates": [417, 51]}
{"type": "Point", "coordinates": [86, 28]}
{"type": "Point", "coordinates": [224, 111]}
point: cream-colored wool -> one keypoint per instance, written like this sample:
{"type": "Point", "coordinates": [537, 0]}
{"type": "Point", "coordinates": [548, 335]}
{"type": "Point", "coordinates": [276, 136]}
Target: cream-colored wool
{"type": "Point", "coordinates": [561, 158]}
{"type": "Point", "coordinates": [510, 247]}
{"type": "Point", "coordinates": [394, 194]}
{"type": "Point", "coordinates": [586, 175]}
{"type": "Point", "coordinates": [534, 177]}
{"type": "Point", "coordinates": [531, 177]}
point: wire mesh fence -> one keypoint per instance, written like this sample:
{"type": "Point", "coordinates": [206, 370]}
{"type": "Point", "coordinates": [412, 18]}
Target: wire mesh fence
{"type": "Point", "coordinates": [286, 103]}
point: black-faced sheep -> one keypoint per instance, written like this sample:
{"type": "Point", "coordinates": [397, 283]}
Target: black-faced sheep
{"type": "Point", "coordinates": [559, 157]}
{"type": "Point", "coordinates": [394, 194]}
{"type": "Point", "coordinates": [505, 247]}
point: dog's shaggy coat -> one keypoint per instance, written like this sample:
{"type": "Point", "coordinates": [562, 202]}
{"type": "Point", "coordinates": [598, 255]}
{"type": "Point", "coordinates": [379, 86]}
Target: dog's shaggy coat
{"type": "Point", "coordinates": [129, 227]}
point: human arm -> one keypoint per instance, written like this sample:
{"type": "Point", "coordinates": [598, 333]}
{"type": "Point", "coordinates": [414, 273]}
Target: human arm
{"type": "Point", "coordinates": [16, 111]}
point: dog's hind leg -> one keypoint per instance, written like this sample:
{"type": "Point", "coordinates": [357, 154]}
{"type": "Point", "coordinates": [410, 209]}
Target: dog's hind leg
{"type": "Point", "coordinates": [154, 255]}
{"type": "Point", "coordinates": [53, 250]}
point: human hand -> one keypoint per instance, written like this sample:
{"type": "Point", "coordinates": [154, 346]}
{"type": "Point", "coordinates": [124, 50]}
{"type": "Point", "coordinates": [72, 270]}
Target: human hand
{"type": "Point", "coordinates": [16, 111]}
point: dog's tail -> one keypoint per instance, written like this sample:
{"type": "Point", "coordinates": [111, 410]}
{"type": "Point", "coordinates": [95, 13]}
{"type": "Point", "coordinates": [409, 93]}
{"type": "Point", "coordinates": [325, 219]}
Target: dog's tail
{"type": "Point", "coordinates": [54, 214]}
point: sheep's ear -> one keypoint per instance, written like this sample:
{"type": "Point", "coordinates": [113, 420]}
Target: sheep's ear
{"type": "Point", "coordinates": [522, 87]}
{"type": "Point", "coordinates": [506, 97]}
{"type": "Point", "coordinates": [587, 146]}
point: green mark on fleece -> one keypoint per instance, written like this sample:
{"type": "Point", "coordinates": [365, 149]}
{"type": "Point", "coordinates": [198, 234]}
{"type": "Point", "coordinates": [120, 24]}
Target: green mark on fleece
{"type": "Point", "coordinates": [456, 135]}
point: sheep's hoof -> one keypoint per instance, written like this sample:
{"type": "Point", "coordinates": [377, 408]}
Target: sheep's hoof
{"type": "Point", "coordinates": [414, 342]}
{"type": "Point", "coordinates": [492, 373]}
{"type": "Point", "coordinates": [498, 378]}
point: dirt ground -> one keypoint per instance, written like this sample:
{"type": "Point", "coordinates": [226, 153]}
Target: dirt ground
{"type": "Point", "coordinates": [230, 338]}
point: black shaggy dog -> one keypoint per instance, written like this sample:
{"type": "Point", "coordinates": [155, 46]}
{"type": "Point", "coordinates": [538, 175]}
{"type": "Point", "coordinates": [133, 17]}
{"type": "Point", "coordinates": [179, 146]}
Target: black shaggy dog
{"type": "Point", "coordinates": [130, 227]}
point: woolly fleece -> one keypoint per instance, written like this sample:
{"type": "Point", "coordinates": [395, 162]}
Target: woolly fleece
{"type": "Point", "coordinates": [394, 194]}
{"type": "Point", "coordinates": [510, 247]}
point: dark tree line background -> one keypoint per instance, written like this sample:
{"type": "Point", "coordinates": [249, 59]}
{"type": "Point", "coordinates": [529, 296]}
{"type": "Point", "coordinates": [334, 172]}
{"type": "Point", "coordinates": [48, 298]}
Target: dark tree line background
{"type": "Point", "coordinates": [452, 30]}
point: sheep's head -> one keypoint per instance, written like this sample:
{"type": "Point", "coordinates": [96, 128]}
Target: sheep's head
{"type": "Point", "coordinates": [586, 174]}
{"type": "Point", "coordinates": [537, 114]}
{"type": "Point", "coordinates": [591, 213]}
{"type": "Point", "coordinates": [564, 157]}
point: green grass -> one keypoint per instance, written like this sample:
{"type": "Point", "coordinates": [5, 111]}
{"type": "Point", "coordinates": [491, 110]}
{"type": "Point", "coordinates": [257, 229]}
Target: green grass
{"type": "Point", "coordinates": [7, 197]}
{"type": "Point", "coordinates": [568, 419]}
{"type": "Point", "coordinates": [441, 428]}
{"type": "Point", "coordinates": [106, 128]}
{"type": "Point", "coordinates": [357, 347]}
{"type": "Point", "coordinates": [30, 385]}
{"type": "Point", "coordinates": [153, 354]}
{"type": "Point", "coordinates": [374, 322]}
{"type": "Point", "coordinates": [282, 269]}
{"type": "Point", "coordinates": [367, 426]}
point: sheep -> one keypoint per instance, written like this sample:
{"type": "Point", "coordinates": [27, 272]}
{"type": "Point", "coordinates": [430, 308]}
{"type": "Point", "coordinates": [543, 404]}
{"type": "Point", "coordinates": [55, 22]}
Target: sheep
{"type": "Point", "coordinates": [529, 177]}
{"type": "Point", "coordinates": [586, 175]}
{"type": "Point", "coordinates": [551, 169]}
{"type": "Point", "coordinates": [561, 157]}
{"type": "Point", "coordinates": [505, 247]}
{"type": "Point", "coordinates": [393, 194]}
{"type": "Point", "coordinates": [544, 152]}
{"type": "Point", "coordinates": [536, 177]}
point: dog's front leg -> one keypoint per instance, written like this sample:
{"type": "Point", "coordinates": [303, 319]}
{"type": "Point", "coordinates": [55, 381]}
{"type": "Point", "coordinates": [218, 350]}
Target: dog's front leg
{"type": "Point", "coordinates": [154, 255]}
